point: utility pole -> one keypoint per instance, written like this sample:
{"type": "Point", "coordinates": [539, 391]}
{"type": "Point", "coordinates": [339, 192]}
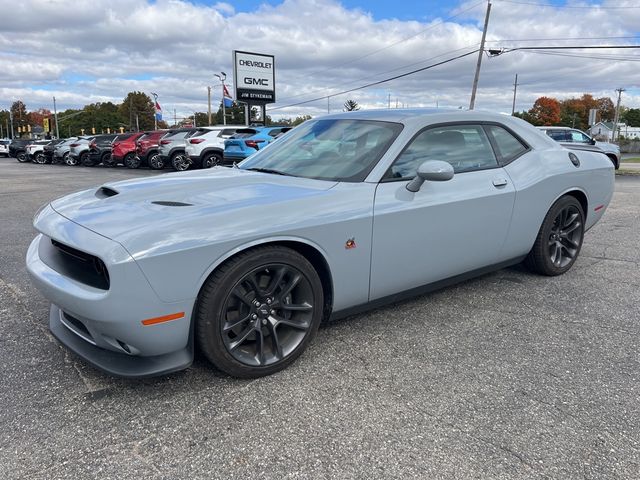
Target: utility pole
{"type": "Point", "coordinates": [472, 103]}
{"type": "Point", "coordinates": [515, 89]}
{"type": "Point", "coordinates": [222, 76]}
{"type": "Point", "coordinates": [137, 124]}
{"type": "Point", "coordinates": [175, 119]}
{"type": "Point", "coordinates": [55, 115]}
{"type": "Point", "coordinates": [155, 111]}
{"type": "Point", "coordinates": [13, 135]}
{"type": "Point", "coordinates": [617, 115]}
{"type": "Point", "coordinates": [209, 103]}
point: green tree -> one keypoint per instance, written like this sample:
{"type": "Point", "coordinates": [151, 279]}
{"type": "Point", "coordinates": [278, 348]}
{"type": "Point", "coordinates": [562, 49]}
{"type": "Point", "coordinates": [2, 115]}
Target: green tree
{"type": "Point", "coordinates": [351, 105]}
{"type": "Point", "coordinates": [632, 117]}
{"type": "Point", "coordinates": [20, 117]}
{"type": "Point", "coordinates": [6, 124]}
{"type": "Point", "coordinates": [138, 105]}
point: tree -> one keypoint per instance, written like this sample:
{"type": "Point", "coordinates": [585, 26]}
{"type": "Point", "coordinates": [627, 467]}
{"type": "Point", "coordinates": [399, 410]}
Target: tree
{"type": "Point", "coordinates": [36, 117]}
{"type": "Point", "coordinates": [632, 117]}
{"type": "Point", "coordinates": [19, 113]}
{"type": "Point", "coordinates": [545, 111]}
{"type": "Point", "coordinates": [606, 109]}
{"type": "Point", "coordinates": [138, 105]}
{"type": "Point", "coordinates": [351, 105]}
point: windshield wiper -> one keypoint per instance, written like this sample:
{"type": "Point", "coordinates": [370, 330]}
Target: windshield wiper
{"type": "Point", "coordinates": [270, 170]}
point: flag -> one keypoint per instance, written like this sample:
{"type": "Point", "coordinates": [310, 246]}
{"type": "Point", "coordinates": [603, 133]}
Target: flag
{"type": "Point", "coordinates": [227, 99]}
{"type": "Point", "coordinates": [158, 112]}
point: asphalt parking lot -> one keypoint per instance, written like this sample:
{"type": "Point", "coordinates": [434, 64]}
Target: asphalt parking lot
{"type": "Point", "coordinates": [510, 375]}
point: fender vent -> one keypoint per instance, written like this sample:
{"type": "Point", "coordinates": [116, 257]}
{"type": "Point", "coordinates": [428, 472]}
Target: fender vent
{"type": "Point", "coordinates": [172, 204]}
{"type": "Point", "coordinates": [105, 192]}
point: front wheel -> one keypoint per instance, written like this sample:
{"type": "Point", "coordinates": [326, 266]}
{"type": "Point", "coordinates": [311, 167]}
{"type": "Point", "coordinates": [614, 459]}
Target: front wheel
{"type": "Point", "coordinates": [131, 161]}
{"type": "Point", "coordinates": [108, 161]}
{"type": "Point", "coordinates": [22, 157]}
{"type": "Point", "coordinates": [258, 312]}
{"type": "Point", "coordinates": [40, 158]}
{"type": "Point", "coordinates": [85, 160]}
{"type": "Point", "coordinates": [71, 161]}
{"type": "Point", "coordinates": [180, 162]}
{"type": "Point", "coordinates": [156, 162]}
{"type": "Point", "coordinates": [560, 238]}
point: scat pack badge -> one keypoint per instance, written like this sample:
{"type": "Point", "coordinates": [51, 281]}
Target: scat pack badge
{"type": "Point", "coordinates": [350, 244]}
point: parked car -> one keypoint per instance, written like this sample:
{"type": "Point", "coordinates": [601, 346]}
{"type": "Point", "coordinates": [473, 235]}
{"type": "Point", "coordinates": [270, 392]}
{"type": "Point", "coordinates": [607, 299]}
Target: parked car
{"type": "Point", "coordinates": [99, 150]}
{"type": "Point", "coordinates": [77, 150]}
{"type": "Point", "coordinates": [18, 149]}
{"type": "Point", "coordinates": [61, 150]}
{"type": "Point", "coordinates": [172, 145]}
{"type": "Point", "coordinates": [346, 212]}
{"type": "Point", "coordinates": [249, 140]}
{"type": "Point", "coordinates": [35, 150]}
{"type": "Point", "coordinates": [4, 147]}
{"type": "Point", "coordinates": [96, 149]}
{"type": "Point", "coordinates": [123, 148]}
{"type": "Point", "coordinates": [205, 147]}
{"type": "Point", "coordinates": [577, 139]}
{"type": "Point", "coordinates": [48, 151]}
{"type": "Point", "coordinates": [147, 151]}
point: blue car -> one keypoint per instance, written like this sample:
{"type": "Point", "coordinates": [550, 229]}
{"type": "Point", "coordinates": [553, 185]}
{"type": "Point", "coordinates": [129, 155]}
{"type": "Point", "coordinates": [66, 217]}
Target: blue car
{"type": "Point", "coordinates": [247, 141]}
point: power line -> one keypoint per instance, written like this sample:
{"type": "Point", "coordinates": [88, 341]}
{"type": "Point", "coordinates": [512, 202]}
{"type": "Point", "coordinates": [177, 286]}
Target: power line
{"type": "Point", "coordinates": [594, 7]}
{"type": "Point", "coordinates": [561, 39]}
{"type": "Point", "coordinates": [592, 57]}
{"type": "Point", "coordinates": [379, 81]}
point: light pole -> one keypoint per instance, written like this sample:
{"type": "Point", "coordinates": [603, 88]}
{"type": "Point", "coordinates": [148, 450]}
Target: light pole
{"type": "Point", "coordinates": [209, 103]}
{"type": "Point", "coordinates": [55, 114]}
{"type": "Point", "coordinates": [155, 111]}
{"type": "Point", "coordinates": [222, 76]}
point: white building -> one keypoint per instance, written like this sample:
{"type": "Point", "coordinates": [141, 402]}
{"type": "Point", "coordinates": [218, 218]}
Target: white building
{"type": "Point", "coordinates": [605, 129]}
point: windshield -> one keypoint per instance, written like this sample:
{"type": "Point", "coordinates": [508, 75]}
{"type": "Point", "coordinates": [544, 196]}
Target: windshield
{"type": "Point", "coordinates": [337, 150]}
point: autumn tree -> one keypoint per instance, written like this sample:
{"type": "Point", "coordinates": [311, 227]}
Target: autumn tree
{"type": "Point", "coordinates": [545, 111]}
{"type": "Point", "coordinates": [36, 117]}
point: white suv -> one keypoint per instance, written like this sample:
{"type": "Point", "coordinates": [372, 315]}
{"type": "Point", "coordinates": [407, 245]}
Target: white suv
{"type": "Point", "coordinates": [205, 147]}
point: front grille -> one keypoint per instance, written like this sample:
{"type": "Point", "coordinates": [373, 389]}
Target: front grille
{"type": "Point", "coordinates": [77, 327]}
{"type": "Point", "coordinates": [75, 264]}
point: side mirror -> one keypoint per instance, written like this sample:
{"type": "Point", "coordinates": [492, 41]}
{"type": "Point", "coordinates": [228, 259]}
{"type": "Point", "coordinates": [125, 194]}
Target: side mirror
{"type": "Point", "coordinates": [432, 170]}
{"type": "Point", "coordinates": [592, 141]}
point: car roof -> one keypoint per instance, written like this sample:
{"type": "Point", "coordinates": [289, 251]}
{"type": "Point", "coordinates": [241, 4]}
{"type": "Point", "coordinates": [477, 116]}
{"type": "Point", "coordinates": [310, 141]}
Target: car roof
{"type": "Point", "coordinates": [558, 128]}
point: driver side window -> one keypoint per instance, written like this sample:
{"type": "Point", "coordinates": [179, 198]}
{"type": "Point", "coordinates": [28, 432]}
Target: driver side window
{"type": "Point", "coordinates": [465, 147]}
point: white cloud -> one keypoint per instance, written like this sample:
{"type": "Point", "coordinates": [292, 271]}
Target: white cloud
{"type": "Point", "coordinates": [84, 52]}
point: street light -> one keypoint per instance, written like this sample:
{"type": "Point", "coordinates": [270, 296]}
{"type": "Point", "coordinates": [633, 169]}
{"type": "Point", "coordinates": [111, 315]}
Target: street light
{"type": "Point", "coordinates": [222, 77]}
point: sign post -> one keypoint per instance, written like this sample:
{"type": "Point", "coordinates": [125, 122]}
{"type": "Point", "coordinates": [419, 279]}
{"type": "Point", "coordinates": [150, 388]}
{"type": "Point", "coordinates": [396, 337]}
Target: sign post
{"type": "Point", "coordinates": [254, 80]}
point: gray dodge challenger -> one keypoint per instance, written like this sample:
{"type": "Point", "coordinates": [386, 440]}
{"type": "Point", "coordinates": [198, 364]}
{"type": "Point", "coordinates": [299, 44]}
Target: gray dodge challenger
{"type": "Point", "coordinates": [345, 212]}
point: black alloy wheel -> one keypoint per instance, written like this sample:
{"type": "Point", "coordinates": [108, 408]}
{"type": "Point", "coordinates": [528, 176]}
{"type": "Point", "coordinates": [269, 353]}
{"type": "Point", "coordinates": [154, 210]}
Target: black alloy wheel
{"type": "Point", "coordinates": [211, 160]}
{"type": "Point", "coordinates": [131, 160]}
{"type": "Point", "coordinates": [258, 312]}
{"type": "Point", "coordinates": [85, 160]}
{"type": "Point", "coordinates": [560, 238]}
{"type": "Point", "coordinates": [40, 158]}
{"type": "Point", "coordinates": [180, 162]}
{"type": "Point", "coordinates": [22, 157]}
{"type": "Point", "coordinates": [108, 161]}
{"type": "Point", "coordinates": [156, 162]}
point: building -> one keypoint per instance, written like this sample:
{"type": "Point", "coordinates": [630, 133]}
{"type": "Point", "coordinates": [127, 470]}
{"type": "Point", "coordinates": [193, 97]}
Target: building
{"type": "Point", "coordinates": [603, 130]}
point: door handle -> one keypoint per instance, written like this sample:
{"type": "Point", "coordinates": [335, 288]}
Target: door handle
{"type": "Point", "coordinates": [499, 182]}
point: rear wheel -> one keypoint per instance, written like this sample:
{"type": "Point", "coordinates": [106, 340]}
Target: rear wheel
{"type": "Point", "coordinates": [180, 162]}
{"type": "Point", "coordinates": [40, 158]}
{"type": "Point", "coordinates": [85, 160]}
{"type": "Point", "coordinates": [22, 157]}
{"type": "Point", "coordinates": [258, 312]}
{"type": "Point", "coordinates": [71, 161]}
{"type": "Point", "coordinates": [156, 162]}
{"type": "Point", "coordinates": [131, 161]}
{"type": "Point", "coordinates": [108, 161]}
{"type": "Point", "coordinates": [559, 240]}
{"type": "Point", "coordinates": [211, 160]}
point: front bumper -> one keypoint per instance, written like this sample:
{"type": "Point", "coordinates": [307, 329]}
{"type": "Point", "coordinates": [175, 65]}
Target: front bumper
{"type": "Point", "coordinates": [105, 326]}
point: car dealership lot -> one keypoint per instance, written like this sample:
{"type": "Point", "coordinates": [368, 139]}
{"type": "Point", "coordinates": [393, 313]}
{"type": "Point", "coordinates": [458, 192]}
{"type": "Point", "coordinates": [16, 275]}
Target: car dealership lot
{"type": "Point", "coordinates": [509, 375]}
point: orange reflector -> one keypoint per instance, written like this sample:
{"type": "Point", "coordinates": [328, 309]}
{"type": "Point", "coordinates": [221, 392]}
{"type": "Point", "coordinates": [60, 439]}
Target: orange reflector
{"type": "Point", "coordinates": [164, 318]}
{"type": "Point", "coordinates": [599, 207]}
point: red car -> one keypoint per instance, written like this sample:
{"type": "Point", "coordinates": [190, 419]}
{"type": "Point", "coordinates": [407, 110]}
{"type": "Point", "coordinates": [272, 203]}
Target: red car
{"type": "Point", "coordinates": [123, 149]}
{"type": "Point", "coordinates": [147, 151]}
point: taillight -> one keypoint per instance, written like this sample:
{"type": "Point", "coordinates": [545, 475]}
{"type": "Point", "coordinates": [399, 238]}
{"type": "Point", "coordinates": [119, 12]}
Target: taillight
{"type": "Point", "coordinates": [195, 141]}
{"type": "Point", "coordinates": [165, 142]}
{"type": "Point", "coordinates": [253, 143]}
{"type": "Point", "coordinates": [93, 144]}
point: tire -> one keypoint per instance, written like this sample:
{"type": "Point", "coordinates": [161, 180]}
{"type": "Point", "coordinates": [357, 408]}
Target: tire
{"type": "Point", "coordinates": [156, 162]}
{"type": "Point", "coordinates": [131, 161]}
{"type": "Point", "coordinates": [85, 160]}
{"type": "Point", "coordinates": [278, 296]}
{"type": "Point", "coordinates": [69, 160]}
{"type": "Point", "coordinates": [613, 159]}
{"type": "Point", "coordinates": [22, 157]}
{"type": "Point", "coordinates": [211, 159]}
{"type": "Point", "coordinates": [108, 161]}
{"type": "Point", "coordinates": [40, 158]}
{"type": "Point", "coordinates": [180, 162]}
{"type": "Point", "coordinates": [559, 240]}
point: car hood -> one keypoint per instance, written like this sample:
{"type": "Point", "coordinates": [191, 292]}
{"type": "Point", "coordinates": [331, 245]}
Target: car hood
{"type": "Point", "coordinates": [124, 211]}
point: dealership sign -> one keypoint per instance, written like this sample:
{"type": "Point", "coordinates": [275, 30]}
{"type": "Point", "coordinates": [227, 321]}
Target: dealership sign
{"type": "Point", "coordinates": [254, 77]}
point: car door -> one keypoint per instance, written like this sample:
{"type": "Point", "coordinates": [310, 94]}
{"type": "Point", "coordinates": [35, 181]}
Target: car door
{"type": "Point", "coordinates": [446, 228]}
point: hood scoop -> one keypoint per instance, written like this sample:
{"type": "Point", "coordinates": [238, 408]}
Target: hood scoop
{"type": "Point", "coordinates": [106, 192]}
{"type": "Point", "coordinates": [167, 203]}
